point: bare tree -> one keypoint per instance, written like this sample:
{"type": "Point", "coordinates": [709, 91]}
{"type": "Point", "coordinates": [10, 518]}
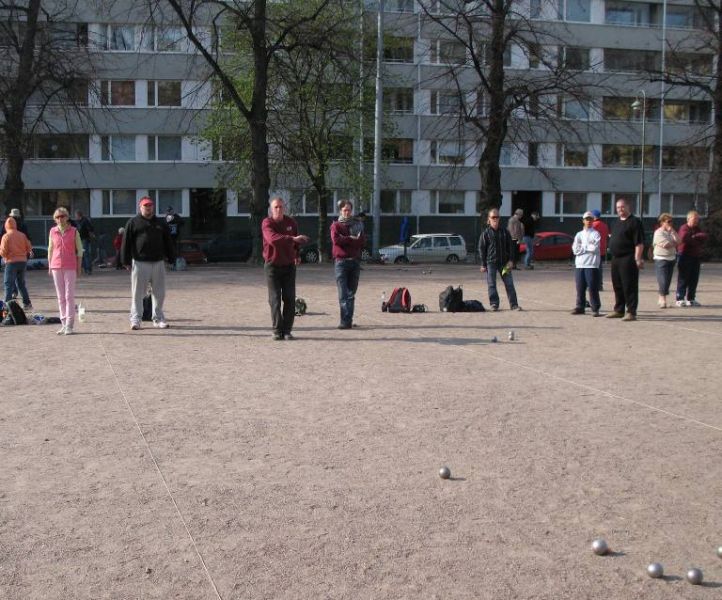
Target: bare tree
{"type": "Point", "coordinates": [44, 73]}
{"type": "Point", "coordinates": [255, 31]}
{"type": "Point", "coordinates": [497, 105]}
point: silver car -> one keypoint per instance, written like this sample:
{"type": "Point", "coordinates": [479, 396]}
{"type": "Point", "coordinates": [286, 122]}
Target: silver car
{"type": "Point", "coordinates": [427, 247]}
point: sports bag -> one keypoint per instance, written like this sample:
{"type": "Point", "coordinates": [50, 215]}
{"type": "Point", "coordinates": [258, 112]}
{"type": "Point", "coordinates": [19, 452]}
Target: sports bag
{"type": "Point", "coordinates": [399, 301]}
{"type": "Point", "coordinates": [147, 308]}
{"type": "Point", "coordinates": [451, 299]}
{"type": "Point", "coordinates": [16, 315]}
{"type": "Point", "coordinates": [473, 306]}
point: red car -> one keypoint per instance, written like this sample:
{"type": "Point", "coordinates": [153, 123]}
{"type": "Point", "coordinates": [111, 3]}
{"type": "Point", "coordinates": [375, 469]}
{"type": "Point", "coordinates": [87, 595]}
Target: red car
{"type": "Point", "coordinates": [191, 251]}
{"type": "Point", "coordinates": [551, 245]}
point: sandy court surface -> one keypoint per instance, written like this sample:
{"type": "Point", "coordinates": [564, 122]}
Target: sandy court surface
{"type": "Point", "coordinates": [209, 461]}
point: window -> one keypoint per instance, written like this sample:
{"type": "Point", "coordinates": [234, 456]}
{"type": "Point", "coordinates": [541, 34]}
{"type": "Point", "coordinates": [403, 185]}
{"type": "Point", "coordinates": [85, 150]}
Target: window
{"type": "Point", "coordinates": [170, 39]}
{"type": "Point", "coordinates": [685, 157]}
{"type": "Point", "coordinates": [399, 50]}
{"type": "Point", "coordinates": [609, 202]}
{"type": "Point", "coordinates": [119, 202]}
{"type": "Point", "coordinates": [448, 52]}
{"type": "Point", "coordinates": [446, 103]}
{"type": "Point", "coordinates": [626, 61]}
{"type": "Point", "coordinates": [535, 9]}
{"type": "Point", "coordinates": [626, 156]}
{"type": "Point", "coordinates": [398, 151]}
{"type": "Point", "coordinates": [506, 156]}
{"type": "Point", "coordinates": [577, 10]}
{"type": "Point", "coordinates": [615, 108]}
{"type": "Point", "coordinates": [164, 93]}
{"type": "Point", "coordinates": [533, 154]}
{"type": "Point", "coordinates": [450, 202]}
{"type": "Point", "coordinates": [61, 147]}
{"type": "Point", "coordinates": [40, 203]}
{"type": "Point", "coordinates": [627, 13]}
{"type": "Point", "coordinates": [404, 6]}
{"type": "Point", "coordinates": [399, 100]}
{"type": "Point", "coordinates": [576, 109]}
{"type": "Point", "coordinates": [680, 204]}
{"type": "Point", "coordinates": [575, 59]}
{"type": "Point", "coordinates": [117, 147]}
{"type": "Point", "coordinates": [570, 203]}
{"type": "Point", "coordinates": [65, 35]}
{"type": "Point", "coordinates": [164, 198]}
{"type": "Point", "coordinates": [243, 198]}
{"type": "Point", "coordinates": [117, 93]}
{"type": "Point", "coordinates": [690, 63]}
{"type": "Point", "coordinates": [447, 153]}
{"type": "Point", "coordinates": [534, 55]}
{"type": "Point", "coordinates": [164, 147]}
{"type": "Point", "coordinates": [121, 37]}
{"type": "Point", "coordinates": [572, 155]}
{"type": "Point", "coordinates": [396, 202]}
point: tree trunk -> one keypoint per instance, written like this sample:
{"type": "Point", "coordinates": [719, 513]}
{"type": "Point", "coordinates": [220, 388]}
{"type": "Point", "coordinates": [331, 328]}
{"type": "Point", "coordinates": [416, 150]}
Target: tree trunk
{"type": "Point", "coordinates": [319, 184]}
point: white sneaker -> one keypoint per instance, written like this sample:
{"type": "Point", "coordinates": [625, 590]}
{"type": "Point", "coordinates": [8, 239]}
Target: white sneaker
{"type": "Point", "coordinates": [687, 303]}
{"type": "Point", "coordinates": [60, 331]}
{"type": "Point", "coordinates": [160, 324]}
{"type": "Point", "coordinates": [68, 330]}
{"type": "Point", "coordinates": [680, 303]}
{"type": "Point", "coordinates": [135, 326]}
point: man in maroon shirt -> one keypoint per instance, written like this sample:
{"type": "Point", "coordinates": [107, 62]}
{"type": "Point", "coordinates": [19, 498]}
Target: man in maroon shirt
{"type": "Point", "coordinates": [281, 243]}
{"type": "Point", "coordinates": [689, 257]}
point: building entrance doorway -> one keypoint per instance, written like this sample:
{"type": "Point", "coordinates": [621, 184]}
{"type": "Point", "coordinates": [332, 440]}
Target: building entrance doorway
{"type": "Point", "coordinates": [528, 200]}
{"type": "Point", "coordinates": [208, 210]}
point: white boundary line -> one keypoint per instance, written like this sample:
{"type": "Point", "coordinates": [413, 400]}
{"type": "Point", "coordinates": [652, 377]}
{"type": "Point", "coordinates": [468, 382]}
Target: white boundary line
{"type": "Point", "coordinates": [157, 468]}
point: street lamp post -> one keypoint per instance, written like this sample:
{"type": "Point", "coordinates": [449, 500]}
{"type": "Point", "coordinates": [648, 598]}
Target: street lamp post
{"type": "Point", "coordinates": [637, 105]}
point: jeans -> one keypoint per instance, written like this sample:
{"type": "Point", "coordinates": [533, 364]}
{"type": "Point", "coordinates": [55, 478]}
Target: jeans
{"type": "Point", "coordinates": [587, 279]}
{"type": "Point", "coordinates": [281, 282]}
{"type": "Point", "coordinates": [15, 274]}
{"type": "Point", "coordinates": [142, 274]}
{"type": "Point", "coordinates": [625, 281]}
{"type": "Point", "coordinates": [491, 270]}
{"type": "Point", "coordinates": [529, 256]}
{"type": "Point", "coordinates": [87, 257]}
{"type": "Point", "coordinates": [664, 270]}
{"type": "Point", "coordinates": [64, 280]}
{"type": "Point", "coordinates": [687, 277]}
{"type": "Point", "coordinates": [347, 272]}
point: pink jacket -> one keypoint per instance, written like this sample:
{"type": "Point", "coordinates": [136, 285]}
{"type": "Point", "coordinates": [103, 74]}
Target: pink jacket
{"type": "Point", "coordinates": [63, 248]}
{"type": "Point", "coordinates": [15, 245]}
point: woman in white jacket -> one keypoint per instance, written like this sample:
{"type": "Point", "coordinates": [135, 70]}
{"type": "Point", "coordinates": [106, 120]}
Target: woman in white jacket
{"type": "Point", "coordinates": [665, 244]}
{"type": "Point", "coordinates": [586, 249]}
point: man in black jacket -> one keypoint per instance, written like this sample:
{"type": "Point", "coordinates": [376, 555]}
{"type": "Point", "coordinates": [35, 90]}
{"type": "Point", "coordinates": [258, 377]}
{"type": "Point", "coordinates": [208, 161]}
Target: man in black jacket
{"type": "Point", "coordinates": [626, 244]}
{"type": "Point", "coordinates": [495, 250]}
{"type": "Point", "coordinates": [146, 245]}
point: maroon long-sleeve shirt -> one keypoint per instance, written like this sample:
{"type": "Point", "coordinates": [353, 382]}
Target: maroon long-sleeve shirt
{"type": "Point", "coordinates": [344, 245]}
{"type": "Point", "coordinates": [279, 249]}
{"type": "Point", "coordinates": [692, 240]}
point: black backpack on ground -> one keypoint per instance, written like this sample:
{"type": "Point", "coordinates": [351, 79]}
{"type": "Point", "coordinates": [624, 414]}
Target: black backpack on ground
{"type": "Point", "coordinates": [399, 301]}
{"type": "Point", "coordinates": [16, 314]}
{"type": "Point", "coordinates": [451, 299]}
{"type": "Point", "coordinates": [473, 306]}
{"type": "Point", "coordinates": [147, 308]}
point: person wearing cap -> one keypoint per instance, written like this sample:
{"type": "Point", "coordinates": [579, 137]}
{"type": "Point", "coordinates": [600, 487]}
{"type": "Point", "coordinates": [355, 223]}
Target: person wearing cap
{"type": "Point", "coordinates": [174, 225]}
{"type": "Point", "coordinates": [603, 230]}
{"type": "Point", "coordinates": [586, 250]}
{"type": "Point", "coordinates": [146, 245]}
{"type": "Point", "coordinates": [626, 244]}
{"type": "Point", "coordinates": [14, 248]}
{"type": "Point", "coordinates": [20, 224]}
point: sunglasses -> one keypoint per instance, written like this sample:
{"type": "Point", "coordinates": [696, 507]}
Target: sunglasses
{"type": "Point", "coordinates": [589, 218]}
{"type": "Point", "coordinates": [494, 217]}
{"type": "Point", "coordinates": [60, 217]}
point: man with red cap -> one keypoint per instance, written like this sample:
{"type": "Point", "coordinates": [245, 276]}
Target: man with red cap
{"type": "Point", "coordinates": [146, 245]}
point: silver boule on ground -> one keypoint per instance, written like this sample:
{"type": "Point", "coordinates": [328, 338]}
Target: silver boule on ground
{"type": "Point", "coordinates": [600, 547]}
{"type": "Point", "coordinates": [694, 576]}
{"type": "Point", "coordinates": [445, 472]}
{"type": "Point", "coordinates": [655, 570]}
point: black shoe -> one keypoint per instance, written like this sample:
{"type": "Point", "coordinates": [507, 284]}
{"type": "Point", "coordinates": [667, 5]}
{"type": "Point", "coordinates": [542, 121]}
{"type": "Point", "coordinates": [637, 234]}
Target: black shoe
{"type": "Point", "coordinates": [596, 313]}
{"type": "Point", "coordinates": [494, 307]}
{"type": "Point", "coordinates": [290, 336]}
{"type": "Point", "coordinates": [344, 326]}
{"type": "Point", "coordinates": [277, 337]}
{"type": "Point", "coordinates": [516, 307]}
{"type": "Point", "coordinates": [587, 305]}
{"type": "Point", "coordinates": [578, 311]}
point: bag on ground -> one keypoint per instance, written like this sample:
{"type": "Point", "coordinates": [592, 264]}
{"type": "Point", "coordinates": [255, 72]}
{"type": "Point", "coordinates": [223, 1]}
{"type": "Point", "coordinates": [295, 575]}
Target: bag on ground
{"type": "Point", "coordinates": [147, 308]}
{"type": "Point", "coordinates": [399, 301]}
{"type": "Point", "coordinates": [16, 314]}
{"type": "Point", "coordinates": [180, 264]}
{"type": "Point", "coordinates": [301, 307]}
{"type": "Point", "coordinates": [473, 306]}
{"type": "Point", "coordinates": [451, 299]}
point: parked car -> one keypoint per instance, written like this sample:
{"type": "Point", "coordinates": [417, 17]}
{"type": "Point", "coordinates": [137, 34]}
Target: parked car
{"type": "Point", "coordinates": [191, 251]}
{"type": "Point", "coordinates": [228, 247]}
{"type": "Point", "coordinates": [39, 259]}
{"type": "Point", "coordinates": [551, 245]}
{"type": "Point", "coordinates": [309, 253]}
{"type": "Point", "coordinates": [427, 247]}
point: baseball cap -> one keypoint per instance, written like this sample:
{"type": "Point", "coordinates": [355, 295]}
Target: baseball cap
{"type": "Point", "coordinates": [145, 201]}
{"type": "Point", "coordinates": [588, 215]}
{"type": "Point", "coordinates": [596, 213]}
{"type": "Point", "coordinates": [15, 212]}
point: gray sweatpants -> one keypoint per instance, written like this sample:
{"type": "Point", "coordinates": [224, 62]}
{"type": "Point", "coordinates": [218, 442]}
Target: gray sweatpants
{"type": "Point", "coordinates": [141, 275]}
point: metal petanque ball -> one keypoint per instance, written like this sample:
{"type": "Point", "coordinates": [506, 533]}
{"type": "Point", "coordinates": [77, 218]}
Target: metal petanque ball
{"type": "Point", "coordinates": [694, 576]}
{"type": "Point", "coordinates": [600, 547]}
{"type": "Point", "coordinates": [655, 570]}
{"type": "Point", "coordinates": [444, 472]}
{"type": "Point", "coordinates": [511, 336]}
{"type": "Point", "coordinates": [719, 551]}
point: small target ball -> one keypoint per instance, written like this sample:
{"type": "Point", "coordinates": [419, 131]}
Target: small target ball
{"type": "Point", "coordinates": [655, 570]}
{"type": "Point", "coordinates": [600, 547]}
{"type": "Point", "coordinates": [694, 576]}
{"type": "Point", "coordinates": [444, 472]}
{"type": "Point", "coordinates": [511, 336]}
{"type": "Point", "coordinates": [719, 551]}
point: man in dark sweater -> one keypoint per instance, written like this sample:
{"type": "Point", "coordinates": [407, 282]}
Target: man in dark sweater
{"type": "Point", "coordinates": [146, 245]}
{"type": "Point", "coordinates": [281, 244]}
{"type": "Point", "coordinates": [495, 251]}
{"type": "Point", "coordinates": [626, 245]}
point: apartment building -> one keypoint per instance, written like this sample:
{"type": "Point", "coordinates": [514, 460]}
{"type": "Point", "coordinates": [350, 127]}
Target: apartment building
{"type": "Point", "coordinates": [150, 95]}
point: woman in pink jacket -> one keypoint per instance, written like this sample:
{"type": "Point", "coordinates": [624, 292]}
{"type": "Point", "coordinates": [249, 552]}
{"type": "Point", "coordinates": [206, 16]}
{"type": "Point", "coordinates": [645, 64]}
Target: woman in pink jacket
{"type": "Point", "coordinates": [65, 251]}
